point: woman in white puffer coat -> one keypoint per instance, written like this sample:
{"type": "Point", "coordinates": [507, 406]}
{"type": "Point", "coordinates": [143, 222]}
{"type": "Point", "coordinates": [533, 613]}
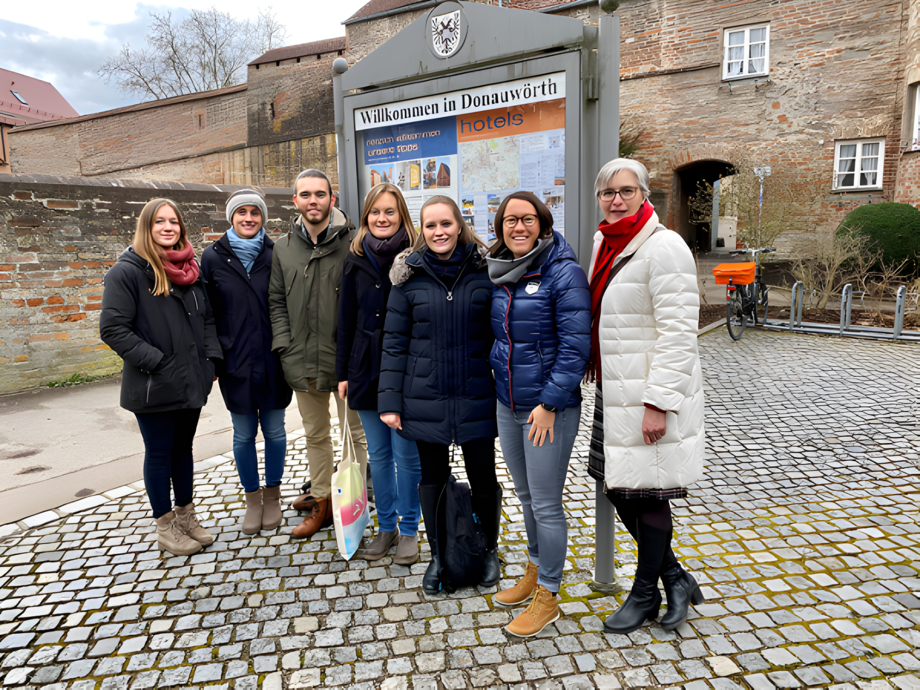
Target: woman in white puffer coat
{"type": "Point", "coordinates": [648, 439]}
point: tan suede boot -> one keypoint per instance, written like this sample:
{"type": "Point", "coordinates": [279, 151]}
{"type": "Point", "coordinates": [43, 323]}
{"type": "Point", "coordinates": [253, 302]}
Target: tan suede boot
{"type": "Point", "coordinates": [188, 522]}
{"type": "Point", "coordinates": [252, 520]}
{"type": "Point", "coordinates": [271, 507]}
{"type": "Point", "coordinates": [522, 591]}
{"type": "Point", "coordinates": [543, 610]}
{"type": "Point", "coordinates": [172, 538]}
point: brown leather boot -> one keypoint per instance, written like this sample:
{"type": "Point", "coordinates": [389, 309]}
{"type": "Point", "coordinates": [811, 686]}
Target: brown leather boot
{"type": "Point", "coordinates": [188, 521]}
{"type": "Point", "coordinates": [303, 502]}
{"type": "Point", "coordinates": [173, 539]}
{"type": "Point", "coordinates": [271, 507]}
{"type": "Point", "coordinates": [521, 592]}
{"type": "Point", "coordinates": [543, 610]}
{"type": "Point", "coordinates": [319, 517]}
{"type": "Point", "coordinates": [252, 520]}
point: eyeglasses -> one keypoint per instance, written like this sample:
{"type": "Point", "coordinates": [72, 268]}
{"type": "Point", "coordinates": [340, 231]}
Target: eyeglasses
{"type": "Point", "coordinates": [626, 194]}
{"type": "Point", "coordinates": [528, 221]}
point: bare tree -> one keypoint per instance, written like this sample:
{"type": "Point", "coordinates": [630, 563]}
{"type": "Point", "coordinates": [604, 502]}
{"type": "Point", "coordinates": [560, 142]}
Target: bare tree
{"type": "Point", "coordinates": [207, 50]}
{"type": "Point", "coordinates": [788, 204]}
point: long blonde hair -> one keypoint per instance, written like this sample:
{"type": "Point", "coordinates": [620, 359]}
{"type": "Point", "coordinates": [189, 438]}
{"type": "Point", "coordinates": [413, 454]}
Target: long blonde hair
{"type": "Point", "coordinates": [146, 248]}
{"type": "Point", "coordinates": [357, 244]}
{"type": "Point", "coordinates": [466, 233]}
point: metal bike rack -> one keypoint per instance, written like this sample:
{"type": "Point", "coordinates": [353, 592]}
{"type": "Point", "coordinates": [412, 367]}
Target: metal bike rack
{"type": "Point", "coordinates": [845, 327]}
{"type": "Point", "coordinates": [795, 309]}
{"type": "Point", "coordinates": [899, 311]}
{"type": "Point", "coordinates": [846, 305]}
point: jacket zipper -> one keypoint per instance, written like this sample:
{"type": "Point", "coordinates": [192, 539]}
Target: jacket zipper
{"type": "Point", "coordinates": [149, 381]}
{"type": "Point", "coordinates": [508, 334]}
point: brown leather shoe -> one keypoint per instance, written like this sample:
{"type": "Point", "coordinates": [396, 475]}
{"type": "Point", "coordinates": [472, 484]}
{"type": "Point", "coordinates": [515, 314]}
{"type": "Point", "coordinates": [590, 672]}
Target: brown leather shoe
{"type": "Point", "coordinates": [319, 517]}
{"type": "Point", "coordinates": [543, 610]}
{"type": "Point", "coordinates": [521, 592]}
{"type": "Point", "coordinates": [303, 502]}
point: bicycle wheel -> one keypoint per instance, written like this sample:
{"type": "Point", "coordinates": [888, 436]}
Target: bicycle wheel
{"type": "Point", "coordinates": [762, 302]}
{"type": "Point", "coordinates": [735, 320]}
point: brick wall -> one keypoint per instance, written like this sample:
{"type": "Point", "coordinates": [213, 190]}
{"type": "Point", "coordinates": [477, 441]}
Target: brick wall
{"type": "Point", "coordinates": [152, 135]}
{"type": "Point", "coordinates": [908, 188]}
{"type": "Point", "coordinates": [836, 72]}
{"type": "Point", "coordinates": [58, 236]}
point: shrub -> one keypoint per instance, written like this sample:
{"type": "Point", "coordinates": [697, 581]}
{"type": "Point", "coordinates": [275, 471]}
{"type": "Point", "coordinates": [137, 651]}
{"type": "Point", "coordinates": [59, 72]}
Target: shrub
{"type": "Point", "coordinates": [893, 229]}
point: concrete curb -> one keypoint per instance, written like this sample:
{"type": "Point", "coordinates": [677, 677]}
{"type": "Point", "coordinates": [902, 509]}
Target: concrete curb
{"type": "Point", "coordinates": [90, 502]}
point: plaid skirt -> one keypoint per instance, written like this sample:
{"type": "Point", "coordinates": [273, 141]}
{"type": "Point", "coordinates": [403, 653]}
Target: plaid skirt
{"type": "Point", "coordinates": [596, 460]}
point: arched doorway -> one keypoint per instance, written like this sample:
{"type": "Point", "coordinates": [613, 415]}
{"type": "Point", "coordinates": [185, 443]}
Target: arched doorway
{"type": "Point", "coordinates": [688, 180]}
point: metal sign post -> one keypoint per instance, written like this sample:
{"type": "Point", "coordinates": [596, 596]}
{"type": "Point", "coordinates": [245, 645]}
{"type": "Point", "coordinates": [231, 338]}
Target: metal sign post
{"type": "Point", "coordinates": [608, 69]}
{"type": "Point", "coordinates": [761, 172]}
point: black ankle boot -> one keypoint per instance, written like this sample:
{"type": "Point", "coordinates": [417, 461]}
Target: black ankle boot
{"type": "Point", "coordinates": [682, 590]}
{"type": "Point", "coordinates": [644, 599]}
{"type": "Point", "coordinates": [429, 497]}
{"type": "Point", "coordinates": [641, 605]}
{"type": "Point", "coordinates": [489, 511]}
{"type": "Point", "coordinates": [431, 582]}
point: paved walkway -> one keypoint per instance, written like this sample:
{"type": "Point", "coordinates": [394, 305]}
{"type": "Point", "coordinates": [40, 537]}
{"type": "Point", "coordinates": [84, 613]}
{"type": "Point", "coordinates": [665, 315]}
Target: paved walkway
{"type": "Point", "coordinates": [805, 536]}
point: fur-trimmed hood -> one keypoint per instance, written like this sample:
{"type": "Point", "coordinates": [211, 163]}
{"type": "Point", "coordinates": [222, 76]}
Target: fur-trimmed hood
{"type": "Point", "coordinates": [409, 260]}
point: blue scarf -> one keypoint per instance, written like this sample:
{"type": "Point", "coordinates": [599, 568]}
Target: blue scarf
{"type": "Point", "coordinates": [246, 250]}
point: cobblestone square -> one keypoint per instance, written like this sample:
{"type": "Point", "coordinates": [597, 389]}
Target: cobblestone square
{"type": "Point", "coordinates": [805, 537]}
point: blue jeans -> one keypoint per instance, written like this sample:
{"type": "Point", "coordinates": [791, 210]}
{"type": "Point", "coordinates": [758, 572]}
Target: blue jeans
{"type": "Point", "coordinates": [539, 474]}
{"type": "Point", "coordinates": [397, 471]}
{"type": "Point", "coordinates": [245, 428]}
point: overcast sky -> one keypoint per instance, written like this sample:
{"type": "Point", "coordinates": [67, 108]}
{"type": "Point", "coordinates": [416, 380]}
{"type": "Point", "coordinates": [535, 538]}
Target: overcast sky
{"type": "Point", "coordinates": [66, 41]}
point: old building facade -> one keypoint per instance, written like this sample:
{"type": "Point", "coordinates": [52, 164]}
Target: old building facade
{"type": "Point", "coordinates": [823, 93]}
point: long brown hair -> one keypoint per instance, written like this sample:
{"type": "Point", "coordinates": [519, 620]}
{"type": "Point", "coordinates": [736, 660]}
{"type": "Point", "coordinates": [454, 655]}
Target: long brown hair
{"type": "Point", "coordinates": [146, 248]}
{"type": "Point", "coordinates": [466, 233]}
{"type": "Point", "coordinates": [544, 215]}
{"type": "Point", "coordinates": [376, 192]}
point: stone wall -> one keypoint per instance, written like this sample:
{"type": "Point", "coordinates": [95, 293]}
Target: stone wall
{"type": "Point", "coordinates": [58, 236]}
{"type": "Point", "coordinates": [290, 100]}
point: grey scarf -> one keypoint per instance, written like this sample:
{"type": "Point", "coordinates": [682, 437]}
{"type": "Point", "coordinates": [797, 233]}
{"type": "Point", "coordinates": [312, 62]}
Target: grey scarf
{"type": "Point", "coordinates": [510, 271]}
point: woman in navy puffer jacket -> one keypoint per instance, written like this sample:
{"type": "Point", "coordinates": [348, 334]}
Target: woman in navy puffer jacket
{"type": "Point", "coordinates": [541, 318]}
{"type": "Point", "coordinates": [436, 386]}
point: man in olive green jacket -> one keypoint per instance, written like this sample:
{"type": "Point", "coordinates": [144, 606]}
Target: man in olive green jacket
{"type": "Point", "coordinates": [303, 301]}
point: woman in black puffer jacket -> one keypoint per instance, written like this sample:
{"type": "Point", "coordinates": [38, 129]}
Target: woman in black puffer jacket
{"type": "Point", "coordinates": [157, 318]}
{"type": "Point", "coordinates": [436, 384]}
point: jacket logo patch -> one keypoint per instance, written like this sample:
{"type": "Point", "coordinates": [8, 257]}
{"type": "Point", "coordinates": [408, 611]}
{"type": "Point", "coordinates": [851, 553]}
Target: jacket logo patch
{"type": "Point", "coordinates": [532, 287]}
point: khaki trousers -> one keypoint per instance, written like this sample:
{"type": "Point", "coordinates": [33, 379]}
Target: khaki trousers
{"type": "Point", "coordinates": [317, 427]}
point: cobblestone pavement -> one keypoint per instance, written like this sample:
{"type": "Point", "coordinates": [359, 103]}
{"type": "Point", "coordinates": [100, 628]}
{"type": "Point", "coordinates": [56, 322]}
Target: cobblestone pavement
{"type": "Point", "coordinates": [805, 537]}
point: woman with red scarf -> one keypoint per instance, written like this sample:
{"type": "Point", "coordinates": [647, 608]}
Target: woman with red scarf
{"type": "Point", "coordinates": [156, 316]}
{"type": "Point", "coordinates": [648, 439]}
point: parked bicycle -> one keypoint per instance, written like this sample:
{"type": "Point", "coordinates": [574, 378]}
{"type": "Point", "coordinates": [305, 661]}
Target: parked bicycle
{"type": "Point", "coordinates": [746, 296]}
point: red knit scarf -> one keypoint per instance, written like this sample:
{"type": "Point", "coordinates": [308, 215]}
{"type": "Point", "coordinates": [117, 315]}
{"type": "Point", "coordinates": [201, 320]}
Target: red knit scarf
{"type": "Point", "coordinates": [180, 265]}
{"type": "Point", "coordinates": [616, 236]}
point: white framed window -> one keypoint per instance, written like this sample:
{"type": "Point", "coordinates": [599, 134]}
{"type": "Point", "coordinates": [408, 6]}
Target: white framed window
{"type": "Point", "coordinates": [858, 163]}
{"type": "Point", "coordinates": [747, 52]}
{"type": "Point", "coordinates": [915, 128]}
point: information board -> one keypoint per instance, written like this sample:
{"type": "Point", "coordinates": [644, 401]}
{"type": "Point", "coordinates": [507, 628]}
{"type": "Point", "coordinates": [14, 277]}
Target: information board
{"type": "Point", "coordinates": [475, 146]}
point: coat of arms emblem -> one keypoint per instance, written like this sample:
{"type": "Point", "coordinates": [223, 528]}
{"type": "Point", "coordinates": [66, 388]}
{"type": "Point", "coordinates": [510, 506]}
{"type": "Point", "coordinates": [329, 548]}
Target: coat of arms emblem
{"type": "Point", "coordinates": [445, 33]}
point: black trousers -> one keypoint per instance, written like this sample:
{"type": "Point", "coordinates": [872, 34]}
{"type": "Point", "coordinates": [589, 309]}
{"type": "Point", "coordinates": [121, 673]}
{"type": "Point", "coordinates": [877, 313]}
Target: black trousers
{"type": "Point", "coordinates": [478, 457]}
{"type": "Point", "coordinates": [168, 460]}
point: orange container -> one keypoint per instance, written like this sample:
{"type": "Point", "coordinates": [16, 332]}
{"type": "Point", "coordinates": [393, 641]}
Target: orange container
{"type": "Point", "coordinates": [740, 273]}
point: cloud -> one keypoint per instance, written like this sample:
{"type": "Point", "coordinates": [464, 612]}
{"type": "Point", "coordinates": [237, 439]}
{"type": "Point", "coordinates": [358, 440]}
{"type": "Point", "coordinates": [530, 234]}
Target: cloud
{"type": "Point", "coordinates": [69, 64]}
